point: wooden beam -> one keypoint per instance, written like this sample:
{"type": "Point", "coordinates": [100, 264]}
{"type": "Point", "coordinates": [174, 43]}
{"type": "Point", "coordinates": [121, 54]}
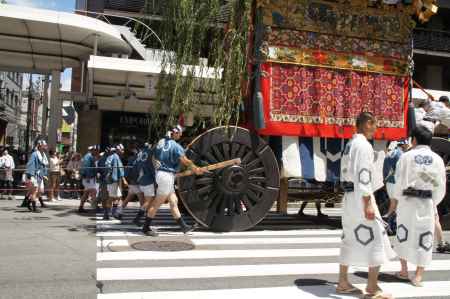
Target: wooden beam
{"type": "Point", "coordinates": [220, 165]}
{"type": "Point", "coordinates": [282, 202]}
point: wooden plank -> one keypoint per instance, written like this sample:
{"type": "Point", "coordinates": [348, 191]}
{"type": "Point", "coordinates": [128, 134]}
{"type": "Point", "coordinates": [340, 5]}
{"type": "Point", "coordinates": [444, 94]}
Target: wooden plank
{"type": "Point", "coordinates": [219, 165]}
{"type": "Point", "coordinates": [282, 202]}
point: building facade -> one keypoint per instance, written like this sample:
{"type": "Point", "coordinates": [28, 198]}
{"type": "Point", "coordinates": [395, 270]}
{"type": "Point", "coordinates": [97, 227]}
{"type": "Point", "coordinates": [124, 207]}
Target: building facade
{"type": "Point", "coordinates": [432, 50]}
{"type": "Point", "coordinates": [11, 133]}
{"type": "Point", "coordinates": [123, 98]}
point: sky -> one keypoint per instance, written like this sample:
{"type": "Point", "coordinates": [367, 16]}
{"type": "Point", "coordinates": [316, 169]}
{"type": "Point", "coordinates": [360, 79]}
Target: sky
{"type": "Point", "coordinates": [60, 5]}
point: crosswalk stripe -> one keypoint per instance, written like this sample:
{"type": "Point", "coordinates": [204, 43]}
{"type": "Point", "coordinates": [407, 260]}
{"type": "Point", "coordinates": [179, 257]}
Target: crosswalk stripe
{"type": "Point", "coordinates": [304, 232]}
{"type": "Point", "coordinates": [112, 243]}
{"type": "Point", "coordinates": [297, 232]}
{"type": "Point", "coordinates": [398, 290]}
{"type": "Point", "coordinates": [143, 273]}
{"type": "Point", "coordinates": [318, 240]}
{"type": "Point", "coordinates": [215, 254]}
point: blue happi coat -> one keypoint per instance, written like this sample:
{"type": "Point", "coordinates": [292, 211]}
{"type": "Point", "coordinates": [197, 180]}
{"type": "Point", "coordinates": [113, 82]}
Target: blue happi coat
{"type": "Point", "coordinates": [88, 170]}
{"type": "Point", "coordinates": [115, 169]}
{"type": "Point", "coordinates": [145, 167]}
{"type": "Point", "coordinates": [37, 166]}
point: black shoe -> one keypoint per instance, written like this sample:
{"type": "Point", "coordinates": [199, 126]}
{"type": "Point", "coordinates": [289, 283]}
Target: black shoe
{"type": "Point", "coordinates": [43, 205]}
{"type": "Point", "coordinates": [106, 217]}
{"type": "Point", "coordinates": [24, 203]}
{"type": "Point", "coordinates": [189, 228]}
{"type": "Point", "coordinates": [34, 209]}
{"type": "Point", "coordinates": [137, 221]}
{"type": "Point", "coordinates": [443, 247]}
{"type": "Point", "coordinates": [117, 216]}
{"type": "Point", "coordinates": [82, 210]}
{"type": "Point", "coordinates": [322, 215]}
{"type": "Point", "coordinates": [10, 198]}
{"type": "Point", "coordinates": [29, 204]}
{"type": "Point", "coordinates": [150, 232]}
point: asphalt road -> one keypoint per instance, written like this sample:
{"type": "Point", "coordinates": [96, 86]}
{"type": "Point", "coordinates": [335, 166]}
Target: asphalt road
{"type": "Point", "coordinates": [60, 254]}
{"type": "Point", "coordinates": [46, 255]}
{"type": "Point", "coordinates": [283, 256]}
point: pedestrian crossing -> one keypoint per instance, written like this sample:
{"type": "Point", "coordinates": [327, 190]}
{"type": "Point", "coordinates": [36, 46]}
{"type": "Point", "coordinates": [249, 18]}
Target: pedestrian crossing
{"type": "Point", "coordinates": [283, 256]}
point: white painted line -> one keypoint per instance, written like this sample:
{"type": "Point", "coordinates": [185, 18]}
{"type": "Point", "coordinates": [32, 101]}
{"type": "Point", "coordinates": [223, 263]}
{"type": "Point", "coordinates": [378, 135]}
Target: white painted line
{"type": "Point", "coordinates": [298, 232]}
{"type": "Point", "coordinates": [214, 254]}
{"type": "Point", "coordinates": [301, 232]}
{"type": "Point", "coordinates": [112, 243]}
{"type": "Point", "coordinates": [107, 222]}
{"type": "Point", "coordinates": [145, 273]}
{"type": "Point", "coordinates": [119, 234]}
{"type": "Point", "coordinates": [306, 240]}
{"type": "Point", "coordinates": [398, 290]}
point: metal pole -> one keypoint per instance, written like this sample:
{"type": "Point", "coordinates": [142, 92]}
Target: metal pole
{"type": "Point", "coordinates": [29, 114]}
{"type": "Point", "coordinates": [45, 106]}
{"type": "Point", "coordinates": [91, 71]}
{"type": "Point", "coordinates": [55, 110]}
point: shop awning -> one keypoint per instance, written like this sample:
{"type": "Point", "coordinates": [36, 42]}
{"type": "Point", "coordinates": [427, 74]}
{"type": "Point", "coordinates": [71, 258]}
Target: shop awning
{"type": "Point", "coordinates": [129, 85]}
{"type": "Point", "coordinates": [38, 40]}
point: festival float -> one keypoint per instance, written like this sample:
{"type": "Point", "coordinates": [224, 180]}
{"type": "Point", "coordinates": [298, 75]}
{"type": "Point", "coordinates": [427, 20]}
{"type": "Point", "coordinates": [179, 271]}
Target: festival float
{"type": "Point", "coordinates": [311, 66]}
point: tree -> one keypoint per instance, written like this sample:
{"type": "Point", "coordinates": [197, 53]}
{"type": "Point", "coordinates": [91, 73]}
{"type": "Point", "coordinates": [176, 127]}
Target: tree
{"type": "Point", "coordinates": [192, 30]}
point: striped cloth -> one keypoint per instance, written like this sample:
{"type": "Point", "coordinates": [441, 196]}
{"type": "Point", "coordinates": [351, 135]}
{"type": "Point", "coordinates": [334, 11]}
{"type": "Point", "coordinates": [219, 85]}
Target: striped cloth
{"type": "Point", "coordinates": [319, 159]}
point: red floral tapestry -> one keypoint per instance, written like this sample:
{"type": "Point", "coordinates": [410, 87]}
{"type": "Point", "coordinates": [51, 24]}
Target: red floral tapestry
{"type": "Point", "coordinates": [310, 101]}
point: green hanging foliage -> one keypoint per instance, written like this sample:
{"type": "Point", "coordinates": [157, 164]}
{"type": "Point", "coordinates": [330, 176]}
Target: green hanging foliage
{"type": "Point", "coordinates": [191, 31]}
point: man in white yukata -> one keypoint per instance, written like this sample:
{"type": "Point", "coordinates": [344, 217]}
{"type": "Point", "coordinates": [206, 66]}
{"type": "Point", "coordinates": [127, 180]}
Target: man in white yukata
{"type": "Point", "coordinates": [420, 182]}
{"type": "Point", "coordinates": [364, 241]}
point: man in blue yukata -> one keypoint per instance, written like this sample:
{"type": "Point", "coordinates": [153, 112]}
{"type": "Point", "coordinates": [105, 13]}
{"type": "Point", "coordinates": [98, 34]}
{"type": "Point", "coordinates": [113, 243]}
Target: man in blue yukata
{"type": "Point", "coordinates": [115, 179]}
{"type": "Point", "coordinates": [88, 173]}
{"type": "Point", "coordinates": [36, 172]}
{"type": "Point", "coordinates": [169, 155]}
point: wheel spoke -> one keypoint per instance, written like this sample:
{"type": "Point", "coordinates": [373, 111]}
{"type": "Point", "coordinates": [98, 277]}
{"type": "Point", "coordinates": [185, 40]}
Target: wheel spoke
{"type": "Point", "coordinates": [252, 196]}
{"type": "Point", "coordinates": [257, 179]}
{"type": "Point", "coordinates": [256, 187]}
{"type": "Point", "coordinates": [216, 200]}
{"type": "Point", "coordinates": [223, 205]}
{"type": "Point", "coordinates": [204, 181]}
{"type": "Point", "coordinates": [217, 153]}
{"type": "Point", "coordinates": [253, 164]}
{"type": "Point", "coordinates": [234, 148]}
{"type": "Point", "coordinates": [257, 170]}
{"type": "Point", "coordinates": [241, 151]}
{"type": "Point", "coordinates": [247, 157]}
{"type": "Point", "coordinates": [205, 189]}
{"type": "Point", "coordinates": [226, 151]}
{"type": "Point", "coordinates": [230, 203]}
{"type": "Point", "coordinates": [210, 158]}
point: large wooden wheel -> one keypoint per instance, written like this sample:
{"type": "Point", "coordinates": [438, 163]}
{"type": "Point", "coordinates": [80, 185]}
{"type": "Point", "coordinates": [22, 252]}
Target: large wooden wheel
{"type": "Point", "coordinates": [237, 197]}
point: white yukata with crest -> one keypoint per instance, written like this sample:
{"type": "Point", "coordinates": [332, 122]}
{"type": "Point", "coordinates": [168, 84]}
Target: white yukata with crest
{"type": "Point", "coordinates": [420, 169]}
{"type": "Point", "coordinates": [364, 242]}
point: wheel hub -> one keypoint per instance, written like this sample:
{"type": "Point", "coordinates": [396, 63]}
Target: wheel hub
{"type": "Point", "coordinates": [234, 179]}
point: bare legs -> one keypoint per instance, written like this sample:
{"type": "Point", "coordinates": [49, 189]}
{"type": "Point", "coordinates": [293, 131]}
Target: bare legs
{"type": "Point", "coordinates": [156, 204]}
{"type": "Point", "coordinates": [90, 193]}
{"type": "Point", "coordinates": [345, 285]}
